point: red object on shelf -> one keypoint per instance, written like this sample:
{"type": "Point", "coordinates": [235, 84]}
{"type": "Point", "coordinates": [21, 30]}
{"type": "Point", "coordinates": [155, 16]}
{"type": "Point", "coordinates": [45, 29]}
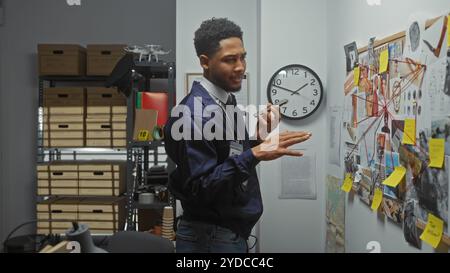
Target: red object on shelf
{"type": "Point", "coordinates": [157, 101]}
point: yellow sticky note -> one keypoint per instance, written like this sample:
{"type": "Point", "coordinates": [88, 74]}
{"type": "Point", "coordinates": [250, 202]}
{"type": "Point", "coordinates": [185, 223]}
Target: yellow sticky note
{"type": "Point", "coordinates": [143, 135]}
{"type": "Point", "coordinates": [377, 198]}
{"type": "Point", "coordinates": [356, 74]}
{"type": "Point", "coordinates": [437, 152]}
{"type": "Point", "coordinates": [448, 31]}
{"type": "Point", "coordinates": [348, 183]}
{"type": "Point", "coordinates": [396, 177]}
{"type": "Point", "coordinates": [384, 61]}
{"type": "Point", "coordinates": [409, 132]}
{"type": "Point", "coordinates": [432, 234]}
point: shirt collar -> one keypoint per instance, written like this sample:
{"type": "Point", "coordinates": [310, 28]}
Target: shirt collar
{"type": "Point", "coordinates": [214, 90]}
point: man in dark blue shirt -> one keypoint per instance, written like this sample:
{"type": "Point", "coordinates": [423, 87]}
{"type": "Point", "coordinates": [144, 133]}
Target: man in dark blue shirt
{"type": "Point", "coordinates": [215, 179]}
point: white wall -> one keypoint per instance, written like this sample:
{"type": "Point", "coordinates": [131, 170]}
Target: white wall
{"type": "Point", "coordinates": [293, 31]}
{"type": "Point", "coordinates": [354, 20]}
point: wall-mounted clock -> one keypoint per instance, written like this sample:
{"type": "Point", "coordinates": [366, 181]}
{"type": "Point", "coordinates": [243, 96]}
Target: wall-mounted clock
{"type": "Point", "coordinates": [298, 84]}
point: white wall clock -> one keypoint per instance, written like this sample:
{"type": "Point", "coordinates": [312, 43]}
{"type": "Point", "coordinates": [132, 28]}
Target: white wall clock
{"type": "Point", "coordinates": [298, 84]}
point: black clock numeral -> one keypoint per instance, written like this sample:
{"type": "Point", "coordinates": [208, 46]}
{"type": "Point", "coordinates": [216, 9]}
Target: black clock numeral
{"type": "Point", "coordinates": [276, 101]}
{"type": "Point", "coordinates": [294, 113]}
{"type": "Point", "coordinates": [274, 92]}
{"type": "Point", "coordinates": [278, 82]}
{"type": "Point", "coordinates": [315, 92]}
{"type": "Point", "coordinates": [284, 109]}
{"type": "Point", "coordinates": [306, 74]}
{"type": "Point", "coordinates": [305, 110]}
{"type": "Point", "coordinates": [313, 103]}
{"type": "Point", "coordinates": [313, 82]}
{"type": "Point", "coordinates": [295, 71]}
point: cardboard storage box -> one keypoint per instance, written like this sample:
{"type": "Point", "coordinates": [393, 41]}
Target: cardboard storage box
{"type": "Point", "coordinates": [61, 60]}
{"type": "Point", "coordinates": [64, 96]}
{"type": "Point", "coordinates": [105, 96]}
{"type": "Point", "coordinates": [102, 215]}
{"type": "Point", "coordinates": [101, 59]}
{"type": "Point", "coordinates": [105, 104]}
{"type": "Point", "coordinates": [64, 134]}
{"type": "Point", "coordinates": [63, 120]}
{"type": "Point", "coordinates": [144, 120]}
{"type": "Point", "coordinates": [102, 179]}
{"type": "Point", "coordinates": [105, 134]}
{"type": "Point", "coordinates": [82, 178]}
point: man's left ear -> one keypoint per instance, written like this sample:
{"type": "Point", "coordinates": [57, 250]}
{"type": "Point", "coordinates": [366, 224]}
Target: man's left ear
{"type": "Point", "coordinates": [204, 62]}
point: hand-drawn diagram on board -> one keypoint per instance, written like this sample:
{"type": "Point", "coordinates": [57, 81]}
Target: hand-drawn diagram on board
{"type": "Point", "coordinates": [396, 102]}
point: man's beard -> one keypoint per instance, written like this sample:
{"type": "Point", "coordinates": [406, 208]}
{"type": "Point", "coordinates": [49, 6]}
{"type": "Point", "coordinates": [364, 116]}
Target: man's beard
{"type": "Point", "coordinates": [222, 83]}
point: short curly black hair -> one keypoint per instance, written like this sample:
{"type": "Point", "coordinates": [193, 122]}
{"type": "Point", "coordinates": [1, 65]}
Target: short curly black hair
{"type": "Point", "coordinates": [211, 32]}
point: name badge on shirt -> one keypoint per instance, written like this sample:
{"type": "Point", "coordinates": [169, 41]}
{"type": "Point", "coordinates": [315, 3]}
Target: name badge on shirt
{"type": "Point", "coordinates": [236, 148]}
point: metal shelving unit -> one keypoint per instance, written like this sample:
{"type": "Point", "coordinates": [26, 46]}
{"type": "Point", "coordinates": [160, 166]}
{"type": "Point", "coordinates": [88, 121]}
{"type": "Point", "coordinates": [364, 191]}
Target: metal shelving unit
{"type": "Point", "coordinates": [135, 152]}
{"type": "Point", "coordinates": [138, 153]}
{"type": "Point", "coordinates": [47, 155]}
{"type": "Point", "coordinates": [67, 153]}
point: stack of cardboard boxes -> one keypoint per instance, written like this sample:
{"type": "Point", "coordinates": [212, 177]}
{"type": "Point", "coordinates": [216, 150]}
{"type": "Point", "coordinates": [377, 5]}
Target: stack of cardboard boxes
{"type": "Point", "coordinates": [88, 192]}
{"type": "Point", "coordinates": [82, 116]}
{"type": "Point", "coordinates": [75, 60]}
{"type": "Point", "coordinates": [103, 216]}
{"type": "Point", "coordinates": [84, 191]}
{"type": "Point", "coordinates": [63, 118]}
{"type": "Point", "coordinates": [82, 178]}
{"type": "Point", "coordinates": [106, 118]}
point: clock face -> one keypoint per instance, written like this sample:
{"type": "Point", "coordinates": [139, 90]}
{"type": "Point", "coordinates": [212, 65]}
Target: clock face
{"type": "Point", "coordinates": [300, 86]}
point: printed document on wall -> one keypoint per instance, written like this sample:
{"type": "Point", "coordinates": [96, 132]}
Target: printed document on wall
{"type": "Point", "coordinates": [335, 114]}
{"type": "Point", "coordinates": [298, 179]}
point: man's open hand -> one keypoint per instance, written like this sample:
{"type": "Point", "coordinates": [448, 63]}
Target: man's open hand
{"type": "Point", "coordinates": [277, 146]}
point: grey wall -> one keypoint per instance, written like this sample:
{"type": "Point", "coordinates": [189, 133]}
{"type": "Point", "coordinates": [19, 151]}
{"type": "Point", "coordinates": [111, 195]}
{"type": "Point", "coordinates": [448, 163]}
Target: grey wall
{"type": "Point", "coordinates": [28, 23]}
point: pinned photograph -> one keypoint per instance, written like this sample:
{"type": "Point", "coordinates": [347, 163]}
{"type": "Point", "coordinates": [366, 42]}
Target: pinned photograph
{"type": "Point", "coordinates": [395, 55]}
{"type": "Point", "coordinates": [447, 77]}
{"type": "Point", "coordinates": [397, 133]}
{"type": "Point", "coordinates": [365, 190]}
{"type": "Point", "coordinates": [391, 161]}
{"type": "Point", "coordinates": [351, 159]}
{"type": "Point", "coordinates": [393, 209]}
{"type": "Point", "coordinates": [410, 230]}
{"type": "Point", "coordinates": [432, 191]}
{"type": "Point", "coordinates": [440, 128]}
{"type": "Point", "coordinates": [381, 143]}
{"type": "Point", "coordinates": [351, 54]}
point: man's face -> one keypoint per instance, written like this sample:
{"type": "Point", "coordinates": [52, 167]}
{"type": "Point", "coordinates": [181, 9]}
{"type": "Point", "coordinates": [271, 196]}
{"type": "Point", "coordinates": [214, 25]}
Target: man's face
{"type": "Point", "coordinates": [227, 66]}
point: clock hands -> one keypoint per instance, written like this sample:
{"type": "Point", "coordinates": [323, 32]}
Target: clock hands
{"type": "Point", "coordinates": [285, 89]}
{"type": "Point", "coordinates": [293, 92]}
{"type": "Point", "coordinates": [298, 90]}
